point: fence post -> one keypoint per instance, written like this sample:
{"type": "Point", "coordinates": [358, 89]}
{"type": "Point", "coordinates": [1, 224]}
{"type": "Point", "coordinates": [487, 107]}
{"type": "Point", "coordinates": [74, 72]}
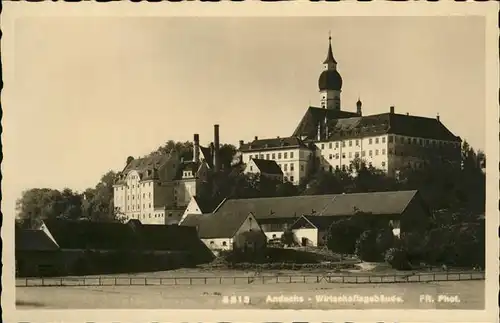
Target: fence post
{"type": "Point", "coordinates": [161, 281]}
{"type": "Point", "coordinates": [234, 280]}
{"type": "Point", "coordinates": [434, 277]}
{"type": "Point", "coordinates": [304, 278]}
{"type": "Point", "coordinates": [84, 281]}
{"type": "Point", "coordinates": [343, 279]}
{"type": "Point", "coordinates": [262, 279]}
{"type": "Point", "coordinates": [43, 282]}
{"type": "Point", "coordinates": [290, 279]}
{"type": "Point", "coordinates": [115, 282]}
{"type": "Point", "coordinates": [356, 279]}
{"type": "Point", "coordinates": [369, 278]}
{"type": "Point", "coordinates": [130, 281]}
{"type": "Point", "coordinates": [190, 281]}
{"type": "Point", "coordinates": [99, 280]}
{"type": "Point", "coordinates": [220, 280]}
{"type": "Point", "coordinates": [61, 281]}
{"type": "Point", "coordinates": [205, 280]}
{"type": "Point", "coordinates": [175, 281]}
{"type": "Point", "coordinates": [145, 281]}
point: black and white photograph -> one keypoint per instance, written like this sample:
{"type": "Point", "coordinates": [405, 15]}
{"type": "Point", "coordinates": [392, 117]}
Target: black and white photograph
{"type": "Point", "coordinates": [213, 161]}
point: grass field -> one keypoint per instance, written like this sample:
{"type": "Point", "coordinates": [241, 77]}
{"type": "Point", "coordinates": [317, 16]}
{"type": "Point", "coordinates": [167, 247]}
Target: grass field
{"type": "Point", "coordinates": [471, 294]}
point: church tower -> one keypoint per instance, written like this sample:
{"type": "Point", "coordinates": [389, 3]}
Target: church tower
{"type": "Point", "coordinates": [330, 82]}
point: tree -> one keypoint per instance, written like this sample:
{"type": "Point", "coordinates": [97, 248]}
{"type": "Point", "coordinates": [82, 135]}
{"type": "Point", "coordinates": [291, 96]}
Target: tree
{"type": "Point", "coordinates": [288, 238]}
{"type": "Point", "coordinates": [385, 240]}
{"type": "Point", "coordinates": [396, 257]}
{"type": "Point", "coordinates": [366, 247]}
{"type": "Point", "coordinates": [98, 202]}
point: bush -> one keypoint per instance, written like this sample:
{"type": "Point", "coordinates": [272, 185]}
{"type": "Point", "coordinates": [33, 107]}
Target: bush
{"type": "Point", "coordinates": [397, 258]}
{"type": "Point", "coordinates": [385, 240]}
{"type": "Point", "coordinates": [366, 247]}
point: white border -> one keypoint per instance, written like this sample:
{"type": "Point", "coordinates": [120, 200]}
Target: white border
{"type": "Point", "coordinates": [13, 10]}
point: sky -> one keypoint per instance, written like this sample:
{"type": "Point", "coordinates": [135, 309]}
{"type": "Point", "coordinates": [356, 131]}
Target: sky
{"type": "Point", "coordinates": [90, 91]}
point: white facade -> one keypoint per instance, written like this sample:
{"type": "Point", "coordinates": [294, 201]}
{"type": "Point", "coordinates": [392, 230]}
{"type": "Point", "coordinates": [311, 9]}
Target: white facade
{"type": "Point", "coordinates": [293, 162]}
{"type": "Point", "coordinates": [307, 235]}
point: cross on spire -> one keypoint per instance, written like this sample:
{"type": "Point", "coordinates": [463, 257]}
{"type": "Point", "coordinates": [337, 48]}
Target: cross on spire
{"type": "Point", "coordinates": [329, 57]}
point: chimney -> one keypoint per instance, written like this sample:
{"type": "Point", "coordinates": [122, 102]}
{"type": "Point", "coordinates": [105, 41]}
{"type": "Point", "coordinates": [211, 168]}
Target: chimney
{"type": "Point", "coordinates": [216, 148]}
{"type": "Point", "coordinates": [196, 148]}
{"type": "Point", "coordinates": [391, 109]}
{"type": "Point", "coordinates": [241, 143]}
{"type": "Point", "coordinates": [437, 117]}
{"type": "Point", "coordinates": [256, 138]}
{"type": "Point", "coordinates": [407, 113]}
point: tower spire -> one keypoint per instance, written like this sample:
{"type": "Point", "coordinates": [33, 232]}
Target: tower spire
{"type": "Point", "coordinates": [329, 57]}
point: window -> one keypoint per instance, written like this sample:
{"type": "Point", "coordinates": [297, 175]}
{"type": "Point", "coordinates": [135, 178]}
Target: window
{"type": "Point", "coordinates": [291, 167]}
{"type": "Point", "coordinates": [343, 143]}
{"type": "Point", "coordinates": [273, 156]}
{"type": "Point", "coordinates": [336, 145]}
{"type": "Point", "coordinates": [291, 178]}
{"type": "Point", "coordinates": [337, 156]}
{"type": "Point", "coordinates": [350, 154]}
{"type": "Point", "coordinates": [414, 141]}
{"type": "Point", "coordinates": [330, 169]}
{"type": "Point", "coordinates": [138, 206]}
{"type": "Point", "coordinates": [376, 152]}
{"type": "Point", "coordinates": [363, 153]}
{"type": "Point", "coordinates": [291, 154]}
{"type": "Point", "coordinates": [143, 195]}
{"type": "Point", "coordinates": [132, 197]}
{"type": "Point", "coordinates": [128, 197]}
{"type": "Point", "coordinates": [211, 242]}
{"type": "Point", "coordinates": [251, 168]}
{"type": "Point", "coordinates": [261, 156]}
{"type": "Point", "coordinates": [330, 145]}
{"type": "Point", "coordinates": [149, 205]}
{"type": "Point", "coordinates": [224, 243]}
{"type": "Point", "coordinates": [286, 179]}
{"type": "Point", "coordinates": [370, 164]}
{"type": "Point", "coordinates": [343, 167]}
{"type": "Point", "coordinates": [420, 141]}
{"type": "Point", "coordinates": [143, 206]}
{"type": "Point", "coordinates": [409, 140]}
{"type": "Point", "coordinates": [133, 186]}
{"type": "Point", "coordinates": [376, 140]}
{"type": "Point", "coordinates": [279, 155]}
{"type": "Point", "coordinates": [285, 155]}
{"type": "Point", "coordinates": [337, 167]}
{"type": "Point", "coordinates": [343, 155]}
{"type": "Point", "coordinates": [356, 155]}
{"type": "Point", "coordinates": [350, 143]}
{"type": "Point", "coordinates": [302, 167]}
{"type": "Point", "coordinates": [390, 151]}
{"type": "Point", "coordinates": [383, 140]}
{"type": "Point", "coordinates": [391, 139]}
{"type": "Point", "coordinates": [274, 236]}
{"type": "Point", "coordinates": [370, 141]}
{"type": "Point", "coordinates": [267, 156]}
{"type": "Point", "coordinates": [330, 156]}
{"type": "Point", "coordinates": [128, 208]}
{"type": "Point", "coordinates": [357, 142]}
{"type": "Point", "coordinates": [285, 166]}
{"type": "Point", "coordinates": [322, 146]}
{"type": "Point", "coordinates": [383, 151]}
{"type": "Point", "coordinates": [370, 153]}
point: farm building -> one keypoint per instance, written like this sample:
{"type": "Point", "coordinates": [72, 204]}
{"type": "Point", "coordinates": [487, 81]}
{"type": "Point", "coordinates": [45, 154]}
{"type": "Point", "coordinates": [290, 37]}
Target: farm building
{"type": "Point", "coordinates": [82, 247]}
{"type": "Point", "coordinates": [227, 231]}
{"type": "Point", "coordinates": [278, 214]}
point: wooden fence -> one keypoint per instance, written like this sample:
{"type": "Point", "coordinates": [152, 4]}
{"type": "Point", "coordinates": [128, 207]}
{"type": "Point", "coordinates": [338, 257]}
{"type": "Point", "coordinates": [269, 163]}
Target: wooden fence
{"type": "Point", "coordinates": [263, 279]}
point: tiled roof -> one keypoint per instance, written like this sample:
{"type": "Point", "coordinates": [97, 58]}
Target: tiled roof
{"type": "Point", "coordinates": [217, 225]}
{"type": "Point", "coordinates": [147, 167]}
{"type": "Point", "coordinates": [207, 155]}
{"type": "Point", "coordinates": [320, 205]}
{"type": "Point", "coordinates": [308, 125]}
{"type": "Point", "coordinates": [33, 240]}
{"type": "Point", "coordinates": [268, 166]}
{"type": "Point", "coordinates": [205, 205]}
{"type": "Point", "coordinates": [169, 237]}
{"type": "Point", "coordinates": [343, 124]}
{"type": "Point", "coordinates": [400, 124]}
{"type": "Point", "coordinates": [273, 143]}
{"type": "Point", "coordinates": [72, 234]}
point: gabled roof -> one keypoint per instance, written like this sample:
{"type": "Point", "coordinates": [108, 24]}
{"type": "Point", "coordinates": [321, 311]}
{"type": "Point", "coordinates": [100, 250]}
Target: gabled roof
{"type": "Point", "coordinates": [273, 144]}
{"type": "Point", "coordinates": [342, 124]}
{"type": "Point", "coordinates": [147, 167]}
{"type": "Point", "coordinates": [308, 125]}
{"type": "Point", "coordinates": [383, 203]}
{"type": "Point", "coordinates": [267, 166]}
{"type": "Point", "coordinates": [206, 154]}
{"type": "Point", "coordinates": [217, 225]}
{"type": "Point", "coordinates": [399, 124]}
{"type": "Point", "coordinates": [33, 240]}
{"type": "Point", "coordinates": [72, 234]}
{"type": "Point", "coordinates": [205, 205]}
